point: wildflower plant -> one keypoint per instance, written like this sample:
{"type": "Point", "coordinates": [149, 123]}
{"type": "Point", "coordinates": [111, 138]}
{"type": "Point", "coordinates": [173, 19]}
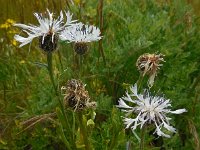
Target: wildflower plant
{"type": "Point", "coordinates": [76, 96]}
{"type": "Point", "coordinates": [148, 110]}
{"type": "Point", "coordinates": [81, 35]}
{"type": "Point", "coordinates": [70, 108]}
{"type": "Point", "coordinates": [47, 31]}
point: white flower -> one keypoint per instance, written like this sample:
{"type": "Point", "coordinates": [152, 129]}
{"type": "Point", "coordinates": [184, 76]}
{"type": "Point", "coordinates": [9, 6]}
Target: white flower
{"type": "Point", "coordinates": [47, 26]}
{"type": "Point", "coordinates": [80, 33]}
{"type": "Point", "coordinates": [149, 110]}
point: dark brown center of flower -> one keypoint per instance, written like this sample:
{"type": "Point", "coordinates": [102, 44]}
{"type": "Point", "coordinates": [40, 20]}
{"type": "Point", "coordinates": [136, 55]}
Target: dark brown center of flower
{"type": "Point", "coordinates": [76, 96]}
{"type": "Point", "coordinates": [80, 48]}
{"type": "Point", "coordinates": [48, 43]}
{"type": "Point", "coordinates": [72, 101]}
{"type": "Point", "coordinates": [76, 104]}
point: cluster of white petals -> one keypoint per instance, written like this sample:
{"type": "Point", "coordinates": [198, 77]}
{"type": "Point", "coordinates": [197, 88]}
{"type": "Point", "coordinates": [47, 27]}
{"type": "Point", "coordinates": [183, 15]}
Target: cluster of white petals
{"type": "Point", "coordinates": [80, 32]}
{"type": "Point", "coordinates": [149, 110]}
{"type": "Point", "coordinates": [66, 30]}
{"type": "Point", "coordinates": [46, 26]}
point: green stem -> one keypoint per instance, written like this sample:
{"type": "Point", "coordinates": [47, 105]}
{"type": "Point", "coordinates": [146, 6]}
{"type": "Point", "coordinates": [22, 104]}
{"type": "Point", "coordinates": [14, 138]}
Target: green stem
{"type": "Point", "coordinates": [73, 124]}
{"type": "Point", "coordinates": [83, 131]}
{"type": "Point", "coordinates": [64, 139]}
{"type": "Point", "coordinates": [113, 142]}
{"type": "Point", "coordinates": [80, 65]}
{"type": "Point", "coordinates": [59, 57]}
{"type": "Point", "coordinates": [100, 13]}
{"type": "Point", "coordinates": [139, 82]}
{"type": "Point", "coordinates": [142, 138]}
{"type": "Point", "coordinates": [68, 128]}
{"type": "Point", "coordinates": [49, 62]}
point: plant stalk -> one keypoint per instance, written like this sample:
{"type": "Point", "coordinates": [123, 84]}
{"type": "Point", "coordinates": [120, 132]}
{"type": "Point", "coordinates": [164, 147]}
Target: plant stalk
{"type": "Point", "coordinates": [49, 62]}
{"type": "Point", "coordinates": [142, 138]}
{"type": "Point", "coordinates": [100, 13]}
{"type": "Point", "coordinates": [139, 82]}
{"type": "Point", "coordinates": [80, 65]}
{"type": "Point", "coordinates": [83, 131]}
{"type": "Point", "coordinates": [59, 57]}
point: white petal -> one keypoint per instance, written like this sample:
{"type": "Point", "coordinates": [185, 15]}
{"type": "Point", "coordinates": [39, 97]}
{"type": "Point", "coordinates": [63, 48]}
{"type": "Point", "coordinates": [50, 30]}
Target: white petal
{"type": "Point", "coordinates": [136, 122]}
{"type": "Point", "coordinates": [160, 133]}
{"type": "Point", "coordinates": [128, 122]}
{"type": "Point", "coordinates": [179, 111]}
{"type": "Point", "coordinates": [134, 89]}
{"type": "Point", "coordinates": [75, 33]}
{"type": "Point", "coordinates": [23, 40]}
{"type": "Point", "coordinates": [122, 104]}
{"type": "Point", "coordinates": [170, 128]}
{"type": "Point", "coordinates": [128, 98]}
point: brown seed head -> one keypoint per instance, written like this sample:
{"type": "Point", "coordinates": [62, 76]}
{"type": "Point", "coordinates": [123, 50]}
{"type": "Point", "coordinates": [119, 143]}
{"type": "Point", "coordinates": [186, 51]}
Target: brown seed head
{"type": "Point", "coordinates": [149, 64]}
{"type": "Point", "coordinates": [76, 96]}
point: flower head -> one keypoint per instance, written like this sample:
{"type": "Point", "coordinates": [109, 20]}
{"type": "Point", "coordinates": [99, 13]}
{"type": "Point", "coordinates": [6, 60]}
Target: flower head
{"type": "Point", "coordinates": [76, 96]}
{"type": "Point", "coordinates": [80, 34]}
{"type": "Point", "coordinates": [149, 110]}
{"type": "Point", "coordinates": [149, 64]}
{"type": "Point", "coordinates": [46, 31]}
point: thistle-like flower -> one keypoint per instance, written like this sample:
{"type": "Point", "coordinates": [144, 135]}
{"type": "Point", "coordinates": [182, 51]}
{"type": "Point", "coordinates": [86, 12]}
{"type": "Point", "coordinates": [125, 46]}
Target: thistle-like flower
{"type": "Point", "coordinates": [149, 64]}
{"type": "Point", "coordinates": [76, 96]}
{"type": "Point", "coordinates": [149, 110]}
{"type": "Point", "coordinates": [80, 34]}
{"type": "Point", "coordinates": [47, 31]}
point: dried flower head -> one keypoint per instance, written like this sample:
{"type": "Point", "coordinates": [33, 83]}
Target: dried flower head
{"type": "Point", "coordinates": [76, 96]}
{"type": "Point", "coordinates": [47, 31]}
{"type": "Point", "coordinates": [149, 64]}
{"type": "Point", "coordinates": [149, 110]}
{"type": "Point", "coordinates": [80, 34]}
